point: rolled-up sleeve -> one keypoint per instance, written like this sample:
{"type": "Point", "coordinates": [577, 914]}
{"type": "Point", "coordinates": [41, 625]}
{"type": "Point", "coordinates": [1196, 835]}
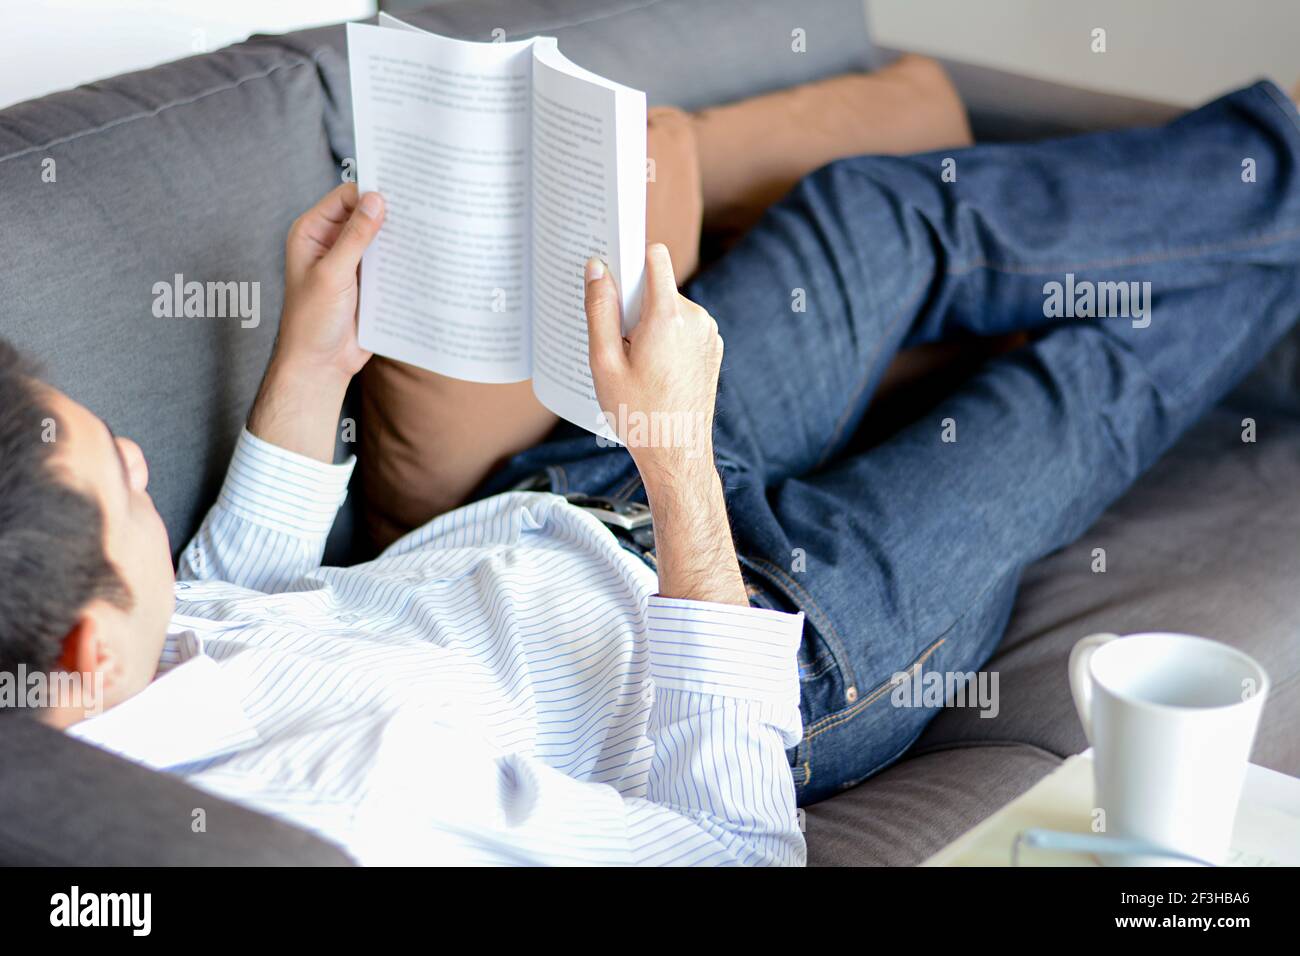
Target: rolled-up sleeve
{"type": "Point", "coordinates": [271, 519]}
{"type": "Point", "coordinates": [726, 709]}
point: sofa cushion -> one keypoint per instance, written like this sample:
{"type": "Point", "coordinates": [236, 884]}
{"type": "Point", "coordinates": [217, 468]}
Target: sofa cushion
{"type": "Point", "coordinates": [1208, 543]}
{"type": "Point", "coordinates": [681, 52]}
{"type": "Point", "coordinates": [65, 803]}
{"type": "Point", "coordinates": [921, 804]}
{"type": "Point", "coordinates": [195, 168]}
{"type": "Point", "coordinates": [1005, 107]}
{"type": "Point", "coordinates": [198, 167]}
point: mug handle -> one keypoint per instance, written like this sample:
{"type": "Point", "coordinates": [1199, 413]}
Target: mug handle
{"type": "Point", "coordinates": [1080, 685]}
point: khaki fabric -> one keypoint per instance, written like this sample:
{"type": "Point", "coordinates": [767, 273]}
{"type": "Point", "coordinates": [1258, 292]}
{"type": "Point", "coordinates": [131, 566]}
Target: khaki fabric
{"type": "Point", "coordinates": [426, 441]}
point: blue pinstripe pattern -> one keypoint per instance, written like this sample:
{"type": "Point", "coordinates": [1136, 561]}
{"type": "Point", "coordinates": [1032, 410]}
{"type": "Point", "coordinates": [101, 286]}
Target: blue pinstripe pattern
{"type": "Point", "coordinates": [501, 686]}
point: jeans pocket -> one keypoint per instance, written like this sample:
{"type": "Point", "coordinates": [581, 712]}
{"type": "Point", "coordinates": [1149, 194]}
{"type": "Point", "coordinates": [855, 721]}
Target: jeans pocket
{"type": "Point", "coordinates": [827, 676]}
{"type": "Point", "coordinates": [800, 764]}
{"type": "Point", "coordinates": [860, 740]}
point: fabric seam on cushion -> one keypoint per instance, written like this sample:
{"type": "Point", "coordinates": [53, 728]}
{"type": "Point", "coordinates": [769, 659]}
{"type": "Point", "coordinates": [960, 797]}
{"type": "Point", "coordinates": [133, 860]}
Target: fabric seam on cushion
{"type": "Point", "coordinates": [594, 19]}
{"type": "Point", "coordinates": [1002, 744]}
{"type": "Point", "coordinates": [314, 59]}
{"type": "Point", "coordinates": [124, 120]}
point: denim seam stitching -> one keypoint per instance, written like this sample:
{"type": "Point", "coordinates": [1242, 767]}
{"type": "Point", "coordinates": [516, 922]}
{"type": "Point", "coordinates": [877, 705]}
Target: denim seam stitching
{"type": "Point", "coordinates": [1148, 258]}
{"type": "Point", "coordinates": [1289, 107]}
{"type": "Point", "coordinates": [560, 478]}
{"type": "Point", "coordinates": [803, 758]}
{"type": "Point", "coordinates": [840, 717]}
{"type": "Point", "coordinates": [838, 431]}
{"type": "Point", "coordinates": [629, 487]}
{"type": "Point", "coordinates": [851, 712]}
{"type": "Point", "coordinates": [817, 667]}
{"type": "Point", "coordinates": [845, 668]}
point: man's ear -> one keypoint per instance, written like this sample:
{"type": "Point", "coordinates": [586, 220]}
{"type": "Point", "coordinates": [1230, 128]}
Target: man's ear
{"type": "Point", "coordinates": [85, 651]}
{"type": "Point", "coordinates": [89, 657]}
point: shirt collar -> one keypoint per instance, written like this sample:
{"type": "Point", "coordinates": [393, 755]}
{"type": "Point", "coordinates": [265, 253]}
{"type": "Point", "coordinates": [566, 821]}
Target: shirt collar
{"type": "Point", "coordinates": [180, 646]}
{"type": "Point", "coordinates": [190, 712]}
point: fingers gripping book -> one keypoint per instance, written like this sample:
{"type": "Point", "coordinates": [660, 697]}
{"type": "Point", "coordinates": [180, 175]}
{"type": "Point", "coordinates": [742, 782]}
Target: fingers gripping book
{"type": "Point", "coordinates": [504, 167]}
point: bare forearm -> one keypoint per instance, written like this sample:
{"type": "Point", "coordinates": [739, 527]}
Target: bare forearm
{"type": "Point", "coordinates": [693, 546]}
{"type": "Point", "coordinates": [297, 408]}
{"type": "Point", "coordinates": [668, 363]}
{"type": "Point", "coordinates": [316, 349]}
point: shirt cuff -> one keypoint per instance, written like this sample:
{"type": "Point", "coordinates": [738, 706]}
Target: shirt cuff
{"type": "Point", "coordinates": [724, 649]}
{"type": "Point", "coordinates": [282, 490]}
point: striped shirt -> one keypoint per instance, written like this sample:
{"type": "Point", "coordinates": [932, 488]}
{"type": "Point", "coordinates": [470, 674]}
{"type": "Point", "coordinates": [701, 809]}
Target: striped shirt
{"type": "Point", "coordinates": [500, 686]}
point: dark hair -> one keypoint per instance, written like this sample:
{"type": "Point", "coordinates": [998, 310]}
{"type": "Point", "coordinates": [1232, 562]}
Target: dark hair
{"type": "Point", "coordinates": [52, 561]}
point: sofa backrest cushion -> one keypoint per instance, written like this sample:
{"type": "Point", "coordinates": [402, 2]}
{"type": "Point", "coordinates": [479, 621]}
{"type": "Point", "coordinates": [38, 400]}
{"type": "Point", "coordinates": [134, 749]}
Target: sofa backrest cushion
{"type": "Point", "coordinates": [198, 167]}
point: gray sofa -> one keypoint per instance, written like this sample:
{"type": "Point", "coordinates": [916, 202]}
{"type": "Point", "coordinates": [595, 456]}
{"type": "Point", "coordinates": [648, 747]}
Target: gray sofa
{"type": "Point", "coordinates": [198, 167]}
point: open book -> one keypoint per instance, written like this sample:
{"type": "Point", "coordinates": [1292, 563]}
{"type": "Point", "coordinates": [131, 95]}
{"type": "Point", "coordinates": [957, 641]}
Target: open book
{"type": "Point", "coordinates": [504, 167]}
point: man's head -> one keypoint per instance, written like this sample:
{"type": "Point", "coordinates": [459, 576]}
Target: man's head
{"type": "Point", "coordinates": [85, 565]}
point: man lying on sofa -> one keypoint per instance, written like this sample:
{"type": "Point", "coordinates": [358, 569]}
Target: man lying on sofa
{"type": "Point", "coordinates": [512, 681]}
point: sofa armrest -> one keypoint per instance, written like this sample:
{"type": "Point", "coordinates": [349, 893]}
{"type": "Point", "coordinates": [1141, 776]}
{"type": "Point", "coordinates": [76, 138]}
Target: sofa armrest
{"type": "Point", "coordinates": [1005, 106]}
{"type": "Point", "coordinates": [67, 803]}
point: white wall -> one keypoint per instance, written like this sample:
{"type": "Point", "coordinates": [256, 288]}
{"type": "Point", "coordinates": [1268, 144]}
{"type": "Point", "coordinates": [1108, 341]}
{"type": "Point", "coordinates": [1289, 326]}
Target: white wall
{"type": "Point", "coordinates": [1178, 51]}
{"type": "Point", "coordinates": [1181, 51]}
{"type": "Point", "coordinates": [48, 45]}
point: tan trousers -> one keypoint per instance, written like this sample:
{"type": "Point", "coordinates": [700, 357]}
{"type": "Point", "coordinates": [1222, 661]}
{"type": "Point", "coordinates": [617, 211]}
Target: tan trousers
{"type": "Point", "coordinates": [426, 441]}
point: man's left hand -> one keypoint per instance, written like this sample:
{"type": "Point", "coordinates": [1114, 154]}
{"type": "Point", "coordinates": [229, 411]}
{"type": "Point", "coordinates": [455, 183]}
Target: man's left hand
{"type": "Point", "coordinates": [317, 352]}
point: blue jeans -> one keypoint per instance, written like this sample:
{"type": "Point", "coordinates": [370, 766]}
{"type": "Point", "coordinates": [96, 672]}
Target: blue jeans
{"type": "Point", "coordinates": [907, 555]}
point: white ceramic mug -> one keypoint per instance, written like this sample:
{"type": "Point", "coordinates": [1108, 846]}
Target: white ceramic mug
{"type": "Point", "coordinates": [1171, 719]}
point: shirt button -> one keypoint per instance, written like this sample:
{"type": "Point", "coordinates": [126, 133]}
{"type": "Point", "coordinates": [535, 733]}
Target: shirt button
{"type": "Point", "coordinates": [851, 694]}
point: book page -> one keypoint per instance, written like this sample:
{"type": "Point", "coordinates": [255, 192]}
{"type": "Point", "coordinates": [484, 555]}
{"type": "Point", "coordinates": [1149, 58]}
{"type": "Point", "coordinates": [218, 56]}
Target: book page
{"type": "Point", "coordinates": [443, 131]}
{"type": "Point", "coordinates": [589, 142]}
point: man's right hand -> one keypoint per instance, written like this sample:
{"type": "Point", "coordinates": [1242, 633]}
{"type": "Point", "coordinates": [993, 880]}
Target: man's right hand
{"type": "Point", "coordinates": [668, 367]}
{"type": "Point", "coordinates": [657, 387]}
